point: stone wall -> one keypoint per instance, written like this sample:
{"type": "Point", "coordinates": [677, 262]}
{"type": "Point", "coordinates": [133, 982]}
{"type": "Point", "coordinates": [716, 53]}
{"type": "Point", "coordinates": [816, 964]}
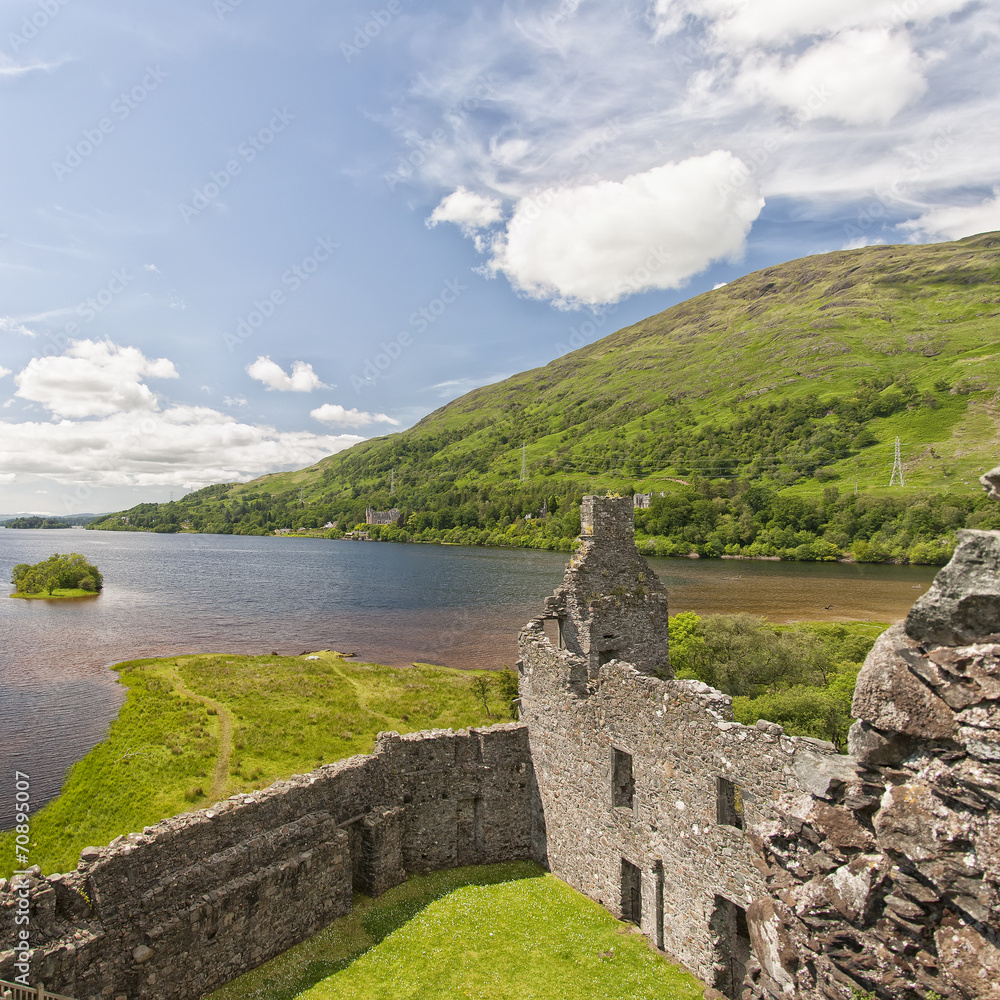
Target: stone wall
{"type": "Point", "coordinates": [196, 900]}
{"type": "Point", "coordinates": [646, 782]}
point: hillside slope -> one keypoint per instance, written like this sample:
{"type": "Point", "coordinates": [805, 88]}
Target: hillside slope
{"type": "Point", "coordinates": [797, 378]}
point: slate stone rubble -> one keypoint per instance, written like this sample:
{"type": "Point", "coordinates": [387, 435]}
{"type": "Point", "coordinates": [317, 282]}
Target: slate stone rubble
{"type": "Point", "coordinates": [770, 865]}
{"type": "Point", "coordinates": [891, 882]}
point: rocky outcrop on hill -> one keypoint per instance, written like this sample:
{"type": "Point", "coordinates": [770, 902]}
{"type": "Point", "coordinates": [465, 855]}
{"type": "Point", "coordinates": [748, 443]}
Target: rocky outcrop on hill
{"type": "Point", "coordinates": [889, 883]}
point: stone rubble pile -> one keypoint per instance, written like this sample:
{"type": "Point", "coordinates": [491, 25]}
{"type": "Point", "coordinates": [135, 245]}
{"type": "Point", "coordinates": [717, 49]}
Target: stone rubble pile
{"type": "Point", "coordinates": [889, 881]}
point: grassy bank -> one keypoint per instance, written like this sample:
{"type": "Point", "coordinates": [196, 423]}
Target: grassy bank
{"type": "Point", "coordinates": [499, 931]}
{"type": "Point", "coordinates": [74, 594]}
{"type": "Point", "coordinates": [195, 729]}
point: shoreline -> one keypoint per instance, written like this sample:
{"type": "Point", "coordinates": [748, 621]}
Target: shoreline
{"type": "Point", "coordinates": [843, 558]}
{"type": "Point", "coordinates": [194, 717]}
{"type": "Point", "coordinates": [75, 596]}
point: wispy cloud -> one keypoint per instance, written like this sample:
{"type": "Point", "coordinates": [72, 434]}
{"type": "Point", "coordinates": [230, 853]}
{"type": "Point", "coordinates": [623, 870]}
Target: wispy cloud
{"type": "Point", "coordinates": [820, 102]}
{"type": "Point", "coordinates": [453, 388]}
{"type": "Point", "coordinates": [11, 68]}
{"type": "Point", "coordinates": [10, 324]}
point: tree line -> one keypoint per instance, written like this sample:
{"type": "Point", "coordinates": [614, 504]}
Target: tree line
{"type": "Point", "coordinates": [800, 676]}
{"type": "Point", "coordinates": [709, 518]}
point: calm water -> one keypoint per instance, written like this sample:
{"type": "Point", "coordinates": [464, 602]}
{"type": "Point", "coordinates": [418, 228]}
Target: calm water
{"type": "Point", "coordinates": [460, 607]}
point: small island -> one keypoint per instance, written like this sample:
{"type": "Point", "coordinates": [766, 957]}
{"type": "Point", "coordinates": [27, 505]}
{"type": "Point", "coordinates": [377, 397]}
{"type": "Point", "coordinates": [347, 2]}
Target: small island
{"type": "Point", "coordinates": [58, 578]}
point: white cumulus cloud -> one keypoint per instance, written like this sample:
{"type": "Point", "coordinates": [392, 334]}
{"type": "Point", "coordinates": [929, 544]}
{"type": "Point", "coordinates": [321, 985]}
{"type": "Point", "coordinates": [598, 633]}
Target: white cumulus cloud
{"type": "Point", "coordinates": [93, 379]}
{"type": "Point", "coordinates": [4, 372]}
{"type": "Point", "coordinates": [272, 375]}
{"type": "Point", "coordinates": [858, 77]}
{"type": "Point", "coordinates": [467, 210]}
{"type": "Point", "coordinates": [597, 243]}
{"type": "Point", "coordinates": [334, 413]}
{"type": "Point", "coordinates": [952, 222]}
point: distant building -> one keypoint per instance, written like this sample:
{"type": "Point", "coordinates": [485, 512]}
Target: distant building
{"type": "Point", "coordinates": [641, 501]}
{"type": "Point", "coordinates": [392, 517]}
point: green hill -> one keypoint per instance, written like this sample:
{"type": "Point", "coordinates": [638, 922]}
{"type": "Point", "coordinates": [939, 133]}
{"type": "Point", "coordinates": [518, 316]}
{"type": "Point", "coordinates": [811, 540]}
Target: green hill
{"type": "Point", "coordinates": [794, 381]}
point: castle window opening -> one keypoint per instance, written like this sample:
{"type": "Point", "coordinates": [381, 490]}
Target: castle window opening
{"type": "Point", "coordinates": [631, 892]}
{"type": "Point", "coordinates": [622, 781]}
{"type": "Point", "coordinates": [552, 628]}
{"type": "Point", "coordinates": [728, 803]}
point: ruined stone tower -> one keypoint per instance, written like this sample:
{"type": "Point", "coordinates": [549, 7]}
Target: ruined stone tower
{"type": "Point", "coordinates": [773, 866]}
{"type": "Point", "coordinates": [610, 606]}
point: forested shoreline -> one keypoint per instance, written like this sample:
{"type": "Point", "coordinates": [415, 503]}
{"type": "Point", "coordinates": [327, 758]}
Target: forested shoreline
{"type": "Point", "coordinates": [708, 519]}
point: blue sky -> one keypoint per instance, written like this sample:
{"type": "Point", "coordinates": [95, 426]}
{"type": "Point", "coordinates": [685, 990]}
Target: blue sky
{"type": "Point", "coordinates": [237, 236]}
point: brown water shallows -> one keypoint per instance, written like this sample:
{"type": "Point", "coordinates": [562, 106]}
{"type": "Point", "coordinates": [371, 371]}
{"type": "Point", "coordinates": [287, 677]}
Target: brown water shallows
{"type": "Point", "coordinates": [786, 592]}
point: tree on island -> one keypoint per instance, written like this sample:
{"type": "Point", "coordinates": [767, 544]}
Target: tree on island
{"type": "Point", "coordinates": [58, 572]}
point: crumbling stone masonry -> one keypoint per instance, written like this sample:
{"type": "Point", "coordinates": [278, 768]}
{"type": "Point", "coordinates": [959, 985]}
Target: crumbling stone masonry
{"type": "Point", "coordinates": [891, 881]}
{"type": "Point", "coordinates": [646, 783]}
{"type": "Point", "coordinates": [196, 900]}
{"type": "Point", "coordinates": [746, 853]}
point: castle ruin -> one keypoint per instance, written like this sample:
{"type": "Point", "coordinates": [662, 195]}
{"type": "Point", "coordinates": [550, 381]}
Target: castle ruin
{"type": "Point", "coordinates": [770, 865]}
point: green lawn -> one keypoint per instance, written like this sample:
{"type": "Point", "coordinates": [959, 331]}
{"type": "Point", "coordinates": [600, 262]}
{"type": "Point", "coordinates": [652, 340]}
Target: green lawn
{"type": "Point", "coordinates": [196, 729]}
{"type": "Point", "coordinates": [494, 932]}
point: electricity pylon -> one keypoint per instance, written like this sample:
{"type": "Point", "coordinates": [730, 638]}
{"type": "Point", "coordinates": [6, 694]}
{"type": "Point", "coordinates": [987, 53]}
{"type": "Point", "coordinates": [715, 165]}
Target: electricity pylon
{"type": "Point", "coordinates": [897, 467]}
